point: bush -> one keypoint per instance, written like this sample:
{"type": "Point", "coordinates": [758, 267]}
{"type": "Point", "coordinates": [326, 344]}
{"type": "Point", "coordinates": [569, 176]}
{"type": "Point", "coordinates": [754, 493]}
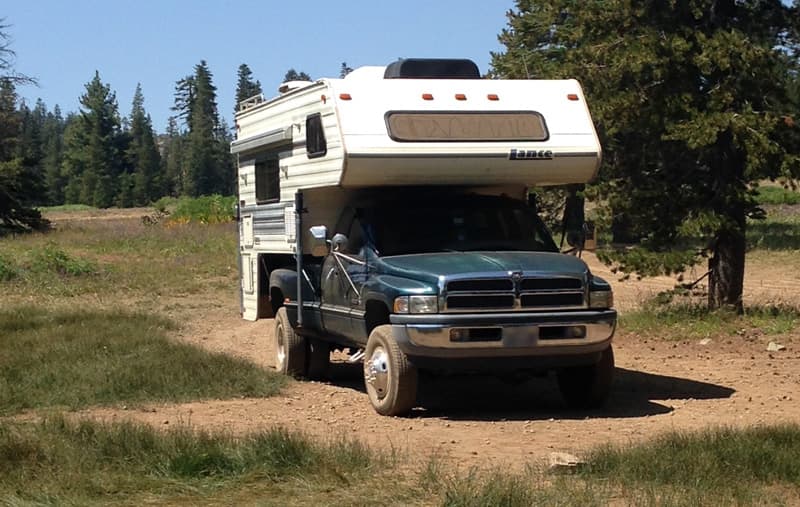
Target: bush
{"type": "Point", "coordinates": [51, 258]}
{"type": "Point", "coordinates": [208, 209]}
{"type": "Point", "coordinates": [8, 271]}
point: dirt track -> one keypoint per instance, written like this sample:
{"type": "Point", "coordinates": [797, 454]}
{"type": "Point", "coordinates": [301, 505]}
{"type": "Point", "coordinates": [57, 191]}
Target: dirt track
{"type": "Point", "coordinates": [660, 386]}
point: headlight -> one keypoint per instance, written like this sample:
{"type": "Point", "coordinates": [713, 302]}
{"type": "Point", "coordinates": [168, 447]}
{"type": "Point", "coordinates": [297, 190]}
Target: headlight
{"type": "Point", "coordinates": [601, 299]}
{"type": "Point", "coordinates": [416, 304]}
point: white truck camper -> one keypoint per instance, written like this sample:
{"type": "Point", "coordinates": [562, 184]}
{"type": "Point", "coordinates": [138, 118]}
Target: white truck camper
{"type": "Point", "coordinates": [388, 191]}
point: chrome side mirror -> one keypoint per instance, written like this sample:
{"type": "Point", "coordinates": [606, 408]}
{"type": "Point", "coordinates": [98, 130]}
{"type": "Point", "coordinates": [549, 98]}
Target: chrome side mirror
{"type": "Point", "coordinates": [339, 243]}
{"type": "Point", "coordinates": [319, 240]}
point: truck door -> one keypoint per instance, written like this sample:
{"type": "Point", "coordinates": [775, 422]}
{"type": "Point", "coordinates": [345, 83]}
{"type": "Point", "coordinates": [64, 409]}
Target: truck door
{"type": "Point", "coordinates": [343, 276]}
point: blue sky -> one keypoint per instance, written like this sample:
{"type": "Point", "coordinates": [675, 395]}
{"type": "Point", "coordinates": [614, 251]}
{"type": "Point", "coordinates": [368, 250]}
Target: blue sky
{"type": "Point", "coordinates": [61, 43]}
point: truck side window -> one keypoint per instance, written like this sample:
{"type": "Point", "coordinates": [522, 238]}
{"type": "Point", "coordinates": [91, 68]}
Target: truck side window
{"type": "Point", "coordinates": [316, 145]}
{"type": "Point", "coordinates": [356, 237]}
{"type": "Point", "coordinates": [268, 185]}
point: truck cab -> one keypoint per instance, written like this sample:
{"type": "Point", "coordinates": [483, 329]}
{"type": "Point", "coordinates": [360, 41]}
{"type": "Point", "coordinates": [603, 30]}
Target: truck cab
{"type": "Point", "coordinates": [449, 281]}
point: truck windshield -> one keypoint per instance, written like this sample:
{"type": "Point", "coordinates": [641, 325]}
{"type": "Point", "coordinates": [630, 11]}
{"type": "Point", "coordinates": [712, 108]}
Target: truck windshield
{"type": "Point", "coordinates": [472, 223]}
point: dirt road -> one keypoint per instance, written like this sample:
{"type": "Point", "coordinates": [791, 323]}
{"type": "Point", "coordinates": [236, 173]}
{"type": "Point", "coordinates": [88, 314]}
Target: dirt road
{"type": "Point", "coordinates": [660, 386]}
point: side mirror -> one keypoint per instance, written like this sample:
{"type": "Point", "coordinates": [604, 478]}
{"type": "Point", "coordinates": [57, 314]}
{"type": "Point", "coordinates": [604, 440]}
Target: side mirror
{"type": "Point", "coordinates": [319, 240]}
{"type": "Point", "coordinates": [339, 243]}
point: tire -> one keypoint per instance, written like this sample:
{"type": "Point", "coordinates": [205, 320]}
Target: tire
{"type": "Point", "coordinates": [319, 355]}
{"type": "Point", "coordinates": [290, 348]}
{"type": "Point", "coordinates": [588, 387]}
{"type": "Point", "coordinates": [390, 379]}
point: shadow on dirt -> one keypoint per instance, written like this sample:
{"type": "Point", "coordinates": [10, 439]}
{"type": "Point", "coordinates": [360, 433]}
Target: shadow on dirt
{"type": "Point", "coordinates": [483, 398]}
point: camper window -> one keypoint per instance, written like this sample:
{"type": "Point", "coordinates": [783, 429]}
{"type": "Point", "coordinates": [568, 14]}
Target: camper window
{"type": "Point", "coordinates": [267, 181]}
{"type": "Point", "coordinates": [316, 146]}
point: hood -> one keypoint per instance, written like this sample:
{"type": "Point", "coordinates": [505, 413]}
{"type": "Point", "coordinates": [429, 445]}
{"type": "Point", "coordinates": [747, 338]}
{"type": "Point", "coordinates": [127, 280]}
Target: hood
{"type": "Point", "coordinates": [429, 267]}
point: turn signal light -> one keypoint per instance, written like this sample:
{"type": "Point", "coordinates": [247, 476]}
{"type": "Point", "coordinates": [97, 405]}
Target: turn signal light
{"type": "Point", "coordinates": [345, 96]}
{"type": "Point", "coordinates": [572, 96]}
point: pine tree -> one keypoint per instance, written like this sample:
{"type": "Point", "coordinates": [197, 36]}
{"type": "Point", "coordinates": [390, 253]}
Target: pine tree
{"type": "Point", "coordinates": [18, 181]}
{"type": "Point", "coordinates": [16, 178]}
{"type": "Point", "coordinates": [245, 87]}
{"type": "Point", "coordinates": [173, 158]}
{"type": "Point", "coordinates": [92, 160]}
{"type": "Point", "coordinates": [690, 102]}
{"type": "Point", "coordinates": [143, 156]}
{"type": "Point", "coordinates": [208, 166]}
{"type": "Point", "coordinates": [293, 75]}
{"type": "Point", "coordinates": [52, 155]}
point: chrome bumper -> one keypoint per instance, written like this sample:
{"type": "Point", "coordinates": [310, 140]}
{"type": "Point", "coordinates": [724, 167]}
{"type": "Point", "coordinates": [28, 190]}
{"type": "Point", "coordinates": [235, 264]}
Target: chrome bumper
{"type": "Point", "coordinates": [519, 334]}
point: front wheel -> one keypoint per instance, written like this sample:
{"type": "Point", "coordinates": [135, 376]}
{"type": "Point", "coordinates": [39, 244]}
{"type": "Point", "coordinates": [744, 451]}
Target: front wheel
{"type": "Point", "coordinates": [586, 387]}
{"type": "Point", "coordinates": [390, 379]}
{"type": "Point", "coordinates": [290, 347]}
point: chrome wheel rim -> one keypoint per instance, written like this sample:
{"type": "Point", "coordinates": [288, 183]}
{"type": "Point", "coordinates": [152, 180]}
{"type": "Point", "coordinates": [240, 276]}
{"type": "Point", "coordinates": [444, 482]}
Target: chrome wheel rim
{"type": "Point", "coordinates": [376, 372]}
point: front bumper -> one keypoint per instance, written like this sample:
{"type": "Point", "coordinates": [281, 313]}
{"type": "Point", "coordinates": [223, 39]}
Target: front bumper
{"type": "Point", "coordinates": [520, 335]}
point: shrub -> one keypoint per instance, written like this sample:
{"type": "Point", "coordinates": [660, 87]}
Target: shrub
{"type": "Point", "coordinates": [51, 258]}
{"type": "Point", "coordinates": [208, 209]}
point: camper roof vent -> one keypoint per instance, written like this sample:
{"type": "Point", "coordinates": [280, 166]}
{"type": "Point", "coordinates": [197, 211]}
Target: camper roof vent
{"type": "Point", "coordinates": [288, 86]}
{"type": "Point", "coordinates": [432, 68]}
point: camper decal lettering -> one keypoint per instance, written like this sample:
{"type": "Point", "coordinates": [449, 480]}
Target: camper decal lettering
{"type": "Point", "coordinates": [516, 154]}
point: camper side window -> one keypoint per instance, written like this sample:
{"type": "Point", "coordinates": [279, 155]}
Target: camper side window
{"type": "Point", "coordinates": [268, 187]}
{"type": "Point", "coordinates": [316, 146]}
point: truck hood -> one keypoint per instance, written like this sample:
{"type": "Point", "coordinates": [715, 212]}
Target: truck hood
{"type": "Point", "coordinates": [429, 267]}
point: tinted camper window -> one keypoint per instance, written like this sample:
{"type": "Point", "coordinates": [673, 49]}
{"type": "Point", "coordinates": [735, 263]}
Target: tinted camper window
{"type": "Point", "coordinates": [316, 146]}
{"type": "Point", "coordinates": [268, 185]}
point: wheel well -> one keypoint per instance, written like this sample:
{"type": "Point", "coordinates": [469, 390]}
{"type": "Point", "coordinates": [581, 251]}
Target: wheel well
{"type": "Point", "coordinates": [269, 299]}
{"type": "Point", "coordinates": [275, 299]}
{"type": "Point", "coordinates": [377, 314]}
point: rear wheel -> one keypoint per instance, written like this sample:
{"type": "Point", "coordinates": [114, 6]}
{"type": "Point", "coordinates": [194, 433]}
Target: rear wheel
{"type": "Point", "coordinates": [390, 379]}
{"type": "Point", "coordinates": [585, 387]}
{"type": "Point", "coordinates": [290, 347]}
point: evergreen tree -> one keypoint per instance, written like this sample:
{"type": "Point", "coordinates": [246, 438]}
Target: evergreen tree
{"type": "Point", "coordinates": [92, 160]}
{"type": "Point", "coordinates": [173, 158]}
{"type": "Point", "coordinates": [16, 179]}
{"type": "Point", "coordinates": [205, 147]}
{"type": "Point", "coordinates": [52, 154]}
{"type": "Point", "coordinates": [690, 101]}
{"type": "Point", "coordinates": [245, 87]}
{"type": "Point", "coordinates": [293, 75]}
{"type": "Point", "coordinates": [144, 185]}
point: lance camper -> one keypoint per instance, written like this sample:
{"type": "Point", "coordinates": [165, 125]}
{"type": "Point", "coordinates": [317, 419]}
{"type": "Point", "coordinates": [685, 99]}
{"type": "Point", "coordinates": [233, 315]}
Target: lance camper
{"type": "Point", "coordinates": [384, 214]}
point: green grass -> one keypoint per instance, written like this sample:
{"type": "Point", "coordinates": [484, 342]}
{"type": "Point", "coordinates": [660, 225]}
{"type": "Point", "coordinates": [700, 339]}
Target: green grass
{"type": "Point", "coordinates": [691, 321]}
{"type": "Point", "coordinates": [66, 207]}
{"type": "Point", "coordinates": [777, 195]}
{"type": "Point", "coordinates": [712, 467]}
{"type": "Point", "coordinates": [61, 462]}
{"type": "Point", "coordinates": [113, 257]}
{"type": "Point", "coordinates": [722, 466]}
{"type": "Point", "coordinates": [209, 209]}
{"type": "Point", "coordinates": [80, 358]}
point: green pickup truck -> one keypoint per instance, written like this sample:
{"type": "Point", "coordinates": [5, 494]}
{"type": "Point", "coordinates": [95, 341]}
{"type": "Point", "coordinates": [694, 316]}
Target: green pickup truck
{"type": "Point", "coordinates": [419, 279]}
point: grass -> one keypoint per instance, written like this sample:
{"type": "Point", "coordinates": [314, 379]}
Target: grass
{"type": "Point", "coordinates": [113, 257]}
{"type": "Point", "coordinates": [691, 321]}
{"type": "Point", "coordinates": [779, 231]}
{"type": "Point", "coordinates": [80, 358]}
{"type": "Point", "coordinates": [58, 461]}
{"type": "Point", "coordinates": [777, 195]}
{"type": "Point", "coordinates": [207, 209]}
{"type": "Point", "coordinates": [66, 208]}
{"type": "Point", "coordinates": [63, 461]}
{"type": "Point", "coordinates": [721, 466]}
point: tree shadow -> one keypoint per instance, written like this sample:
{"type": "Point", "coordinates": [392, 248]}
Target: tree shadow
{"type": "Point", "coordinates": [486, 398]}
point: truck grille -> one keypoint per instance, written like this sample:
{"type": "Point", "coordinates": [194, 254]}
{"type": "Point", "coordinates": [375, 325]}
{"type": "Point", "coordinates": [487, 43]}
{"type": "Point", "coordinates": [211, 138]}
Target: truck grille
{"type": "Point", "coordinates": [520, 294]}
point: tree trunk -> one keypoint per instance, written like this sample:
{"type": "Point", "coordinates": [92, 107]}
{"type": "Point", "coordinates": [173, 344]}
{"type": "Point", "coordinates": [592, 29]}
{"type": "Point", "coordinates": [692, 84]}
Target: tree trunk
{"type": "Point", "coordinates": [726, 266]}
